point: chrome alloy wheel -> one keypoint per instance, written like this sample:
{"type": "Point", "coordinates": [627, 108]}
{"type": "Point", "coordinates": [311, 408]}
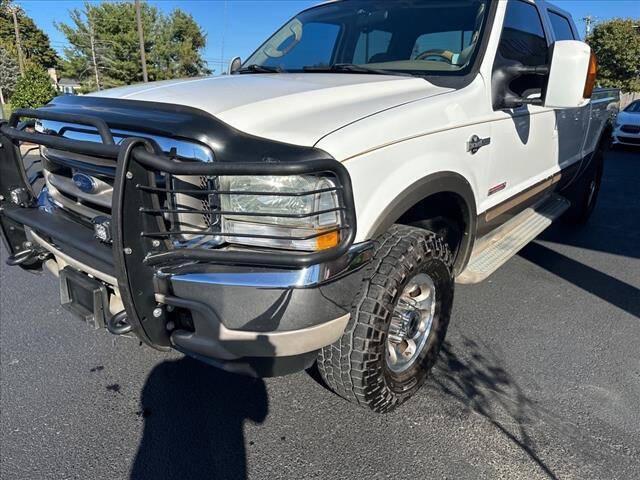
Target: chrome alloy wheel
{"type": "Point", "coordinates": [411, 323]}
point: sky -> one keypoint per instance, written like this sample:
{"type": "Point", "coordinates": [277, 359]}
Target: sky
{"type": "Point", "coordinates": [237, 27]}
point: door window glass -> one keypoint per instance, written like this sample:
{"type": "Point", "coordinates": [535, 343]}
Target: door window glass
{"type": "Point", "coordinates": [523, 37]}
{"type": "Point", "coordinates": [561, 27]}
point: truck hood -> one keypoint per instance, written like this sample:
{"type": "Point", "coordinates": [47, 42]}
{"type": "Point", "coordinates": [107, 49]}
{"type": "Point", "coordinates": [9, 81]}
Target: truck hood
{"type": "Point", "coordinates": [288, 107]}
{"type": "Point", "coordinates": [628, 118]}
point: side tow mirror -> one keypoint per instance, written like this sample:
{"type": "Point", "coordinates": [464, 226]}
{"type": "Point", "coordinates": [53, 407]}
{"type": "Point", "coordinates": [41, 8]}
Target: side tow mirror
{"type": "Point", "coordinates": [572, 75]}
{"type": "Point", "coordinates": [234, 65]}
{"type": "Point", "coordinates": [504, 75]}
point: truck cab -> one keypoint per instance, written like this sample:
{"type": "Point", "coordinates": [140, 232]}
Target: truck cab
{"type": "Point", "coordinates": [318, 204]}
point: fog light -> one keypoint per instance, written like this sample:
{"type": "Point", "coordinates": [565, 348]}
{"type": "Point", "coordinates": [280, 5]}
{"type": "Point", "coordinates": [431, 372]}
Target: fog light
{"type": "Point", "coordinates": [102, 229]}
{"type": "Point", "coordinates": [20, 196]}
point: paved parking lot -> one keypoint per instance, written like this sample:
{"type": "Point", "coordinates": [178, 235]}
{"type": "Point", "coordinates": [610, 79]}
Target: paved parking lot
{"type": "Point", "coordinates": [540, 378]}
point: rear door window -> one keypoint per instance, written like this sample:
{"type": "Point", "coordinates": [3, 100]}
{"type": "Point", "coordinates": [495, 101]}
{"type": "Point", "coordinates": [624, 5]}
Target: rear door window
{"type": "Point", "coordinates": [561, 26]}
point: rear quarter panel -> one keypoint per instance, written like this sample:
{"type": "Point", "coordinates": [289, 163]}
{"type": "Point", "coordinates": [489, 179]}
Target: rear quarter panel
{"type": "Point", "coordinates": [603, 109]}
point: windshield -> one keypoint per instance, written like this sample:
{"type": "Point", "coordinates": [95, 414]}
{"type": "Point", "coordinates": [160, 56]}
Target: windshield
{"type": "Point", "coordinates": [423, 37]}
{"type": "Point", "coordinates": [633, 108]}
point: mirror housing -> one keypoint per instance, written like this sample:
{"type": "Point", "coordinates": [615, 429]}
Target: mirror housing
{"type": "Point", "coordinates": [572, 75]}
{"type": "Point", "coordinates": [503, 96]}
{"type": "Point", "coordinates": [571, 78]}
{"type": "Point", "coordinates": [234, 65]}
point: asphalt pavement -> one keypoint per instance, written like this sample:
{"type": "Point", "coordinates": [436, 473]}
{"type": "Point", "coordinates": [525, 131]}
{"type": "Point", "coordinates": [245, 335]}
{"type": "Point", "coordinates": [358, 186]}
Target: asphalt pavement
{"type": "Point", "coordinates": [540, 378]}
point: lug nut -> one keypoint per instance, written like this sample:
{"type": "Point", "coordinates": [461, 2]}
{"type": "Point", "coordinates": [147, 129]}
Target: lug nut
{"type": "Point", "coordinates": [129, 175]}
{"type": "Point", "coordinates": [155, 243]}
{"type": "Point", "coordinates": [157, 312]}
{"type": "Point", "coordinates": [19, 196]}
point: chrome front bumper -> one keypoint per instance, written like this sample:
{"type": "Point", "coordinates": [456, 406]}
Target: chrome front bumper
{"type": "Point", "coordinates": [255, 321]}
{"type": "Point", "coordinates": [621, 137]}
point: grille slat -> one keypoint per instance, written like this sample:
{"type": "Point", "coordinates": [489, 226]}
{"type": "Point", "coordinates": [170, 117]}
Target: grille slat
{"type": "Point", "coordinates": [60, 166]}
{"type": "Point", "coordinates": [630, 128]}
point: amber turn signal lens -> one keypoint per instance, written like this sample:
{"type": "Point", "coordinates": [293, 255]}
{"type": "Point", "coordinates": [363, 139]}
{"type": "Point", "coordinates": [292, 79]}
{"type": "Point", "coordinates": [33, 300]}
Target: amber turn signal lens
{"type": "Point", "coordinates": [592, 73]}
{"type": "Point", "coordinates": [328, 240]}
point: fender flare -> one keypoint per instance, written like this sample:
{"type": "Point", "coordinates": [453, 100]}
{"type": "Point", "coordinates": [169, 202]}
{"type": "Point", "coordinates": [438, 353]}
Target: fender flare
{"type": "Point", "coordinates": [441, 182]}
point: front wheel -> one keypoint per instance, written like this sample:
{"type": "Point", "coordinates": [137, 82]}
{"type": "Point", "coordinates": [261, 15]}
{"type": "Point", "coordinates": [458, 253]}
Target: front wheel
{"type": "Point", "coordinates": [398, 321]}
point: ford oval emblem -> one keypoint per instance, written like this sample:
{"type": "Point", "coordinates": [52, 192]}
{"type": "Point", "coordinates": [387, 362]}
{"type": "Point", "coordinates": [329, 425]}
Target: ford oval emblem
{"type": "Point", "coordinates": [85, 183]}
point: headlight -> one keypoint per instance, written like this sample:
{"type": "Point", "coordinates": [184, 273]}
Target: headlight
{"type": "Point", "coordinates": [289, 213]}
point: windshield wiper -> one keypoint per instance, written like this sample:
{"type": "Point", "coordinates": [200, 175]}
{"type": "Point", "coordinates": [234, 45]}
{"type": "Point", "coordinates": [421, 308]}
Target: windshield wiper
{"type": "Point", "coordinates": [254, 68]}
{"type": "Point", "coordinates": [351, 68]}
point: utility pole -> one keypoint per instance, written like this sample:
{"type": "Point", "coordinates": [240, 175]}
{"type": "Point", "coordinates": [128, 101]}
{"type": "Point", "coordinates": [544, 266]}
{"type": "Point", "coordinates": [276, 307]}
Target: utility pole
{"type": "Point", "coordinates": [92, 43]}
{"type": "Point", "coordinates": [143, 59]}
{"type": "Point", "coordinates": [14, 12]}
{"type": "Point", "coordinates": [224, 33]}
{"type": "Point", "coordinates": [589, 21]}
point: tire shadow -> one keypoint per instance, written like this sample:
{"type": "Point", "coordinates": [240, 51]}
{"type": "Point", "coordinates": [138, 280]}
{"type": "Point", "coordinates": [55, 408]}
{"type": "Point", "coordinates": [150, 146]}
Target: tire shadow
{"type": "Point", "coordinates": [479, 383]}
{"type": "Point", "coordinates": [193, 422]}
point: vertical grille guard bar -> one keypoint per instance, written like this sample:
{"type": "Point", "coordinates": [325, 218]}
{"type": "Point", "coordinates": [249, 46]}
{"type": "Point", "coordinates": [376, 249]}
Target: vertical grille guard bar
{"type": "Point", "coordinates": [136, 257]}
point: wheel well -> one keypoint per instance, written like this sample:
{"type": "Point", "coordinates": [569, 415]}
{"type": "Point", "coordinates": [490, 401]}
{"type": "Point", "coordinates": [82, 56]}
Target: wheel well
{"type": "Point", "coordinates": [444, 213]}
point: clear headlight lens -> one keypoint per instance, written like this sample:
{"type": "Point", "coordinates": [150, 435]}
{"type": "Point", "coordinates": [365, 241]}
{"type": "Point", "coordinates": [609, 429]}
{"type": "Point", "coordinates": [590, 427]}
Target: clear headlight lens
{"type": "Point", "coordinates": [273, 211]}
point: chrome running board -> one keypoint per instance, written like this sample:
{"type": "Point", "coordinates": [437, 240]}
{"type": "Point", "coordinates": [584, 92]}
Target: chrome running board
{"type": "Point", "coordinates": [497, 247]}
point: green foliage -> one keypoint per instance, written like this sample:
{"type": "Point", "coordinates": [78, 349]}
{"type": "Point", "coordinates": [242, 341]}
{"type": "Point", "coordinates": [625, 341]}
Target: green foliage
{"type": "Point", "coordinates": [9, 72]}
{"type": "Point", "coordinates": [36, 48]}
{"type": "Point", "coordinates": [177, 46]}
{"type": "Point", "coordinates": [616, 43]}
{"type": "Point", "coordinates": [104, 36]}
{"type": "Point", "coordinates": [33, 90]}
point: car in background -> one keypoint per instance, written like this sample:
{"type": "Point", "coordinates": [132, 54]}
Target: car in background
{"type": "Point", "coordinates": [627, 126]}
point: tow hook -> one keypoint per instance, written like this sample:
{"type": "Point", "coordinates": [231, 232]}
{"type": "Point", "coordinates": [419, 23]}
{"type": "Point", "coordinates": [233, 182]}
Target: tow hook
{"type": "Point", "coordinates": [118, 324]}
{"type": "Point", "coordinates": [27, 255]}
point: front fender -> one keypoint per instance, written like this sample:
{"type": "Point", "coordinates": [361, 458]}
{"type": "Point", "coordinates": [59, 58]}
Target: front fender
{"type": "Point", "coordinates": [388, 182]}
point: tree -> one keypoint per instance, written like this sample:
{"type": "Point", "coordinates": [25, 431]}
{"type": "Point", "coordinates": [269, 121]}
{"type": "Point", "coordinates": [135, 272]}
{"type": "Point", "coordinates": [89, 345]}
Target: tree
{"type": "Point", "coordinates": [177, 48]}
{"type": "Point", "coordinates": [33, 89]}
{"type": "Point", "coordinates": [105, 49]}
{"type": "Point", "coordinates": [36, 47]}
{"type": "Point", "coordinates": [616, 44]}
{"type": "Point", "coordinates": [8, 75]}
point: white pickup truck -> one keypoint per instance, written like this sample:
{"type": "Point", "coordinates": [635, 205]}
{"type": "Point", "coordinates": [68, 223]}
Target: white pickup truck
{"type": "Point", "coordinates": [319, 203]}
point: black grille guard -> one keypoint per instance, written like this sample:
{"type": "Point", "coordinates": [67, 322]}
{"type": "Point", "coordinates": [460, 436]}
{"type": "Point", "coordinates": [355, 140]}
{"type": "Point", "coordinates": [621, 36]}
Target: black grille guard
{"type": "Point", "coordinates": [141, 239]}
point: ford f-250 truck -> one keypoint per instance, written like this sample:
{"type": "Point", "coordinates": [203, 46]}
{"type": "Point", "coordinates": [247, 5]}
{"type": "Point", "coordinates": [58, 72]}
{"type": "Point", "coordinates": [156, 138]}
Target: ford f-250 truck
{"type": "Point", "coordinates": [319, 203]}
